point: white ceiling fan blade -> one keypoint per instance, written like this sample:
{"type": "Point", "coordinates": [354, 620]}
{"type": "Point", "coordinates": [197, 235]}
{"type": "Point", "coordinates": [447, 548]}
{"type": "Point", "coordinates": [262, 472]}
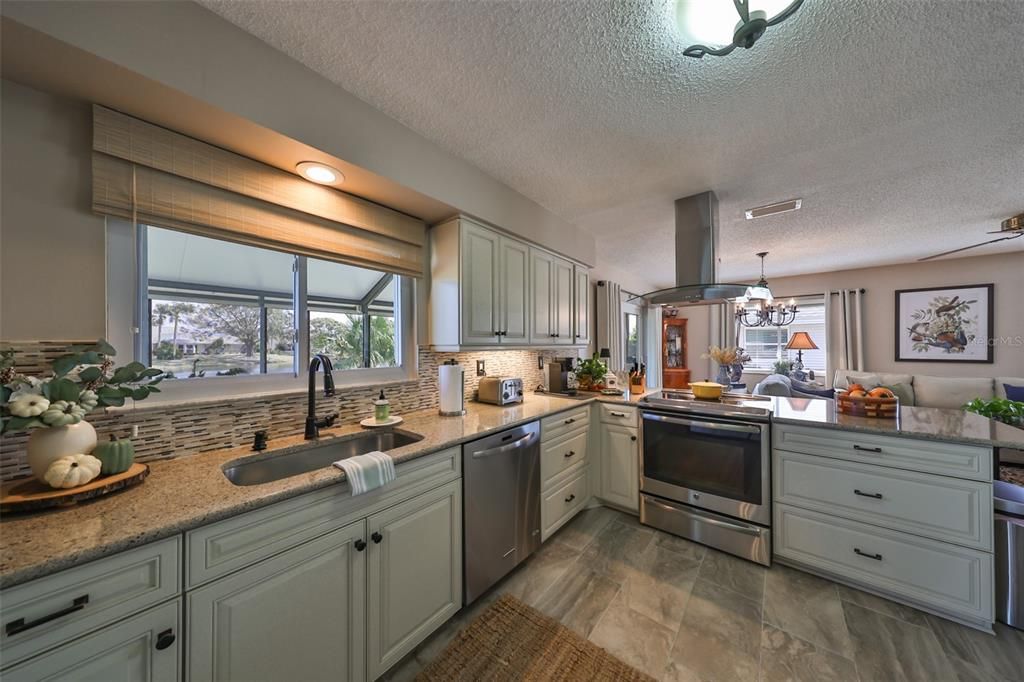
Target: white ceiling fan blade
{"type": "Point", "coordinates": [972, 246]}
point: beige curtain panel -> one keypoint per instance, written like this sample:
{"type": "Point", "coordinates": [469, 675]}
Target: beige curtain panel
{"type": "Point", "coordinates": [175, 181]}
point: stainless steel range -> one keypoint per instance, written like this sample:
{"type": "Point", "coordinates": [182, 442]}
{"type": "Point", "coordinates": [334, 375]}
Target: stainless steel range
{"type": "Point", "coordinates": [705, 470]}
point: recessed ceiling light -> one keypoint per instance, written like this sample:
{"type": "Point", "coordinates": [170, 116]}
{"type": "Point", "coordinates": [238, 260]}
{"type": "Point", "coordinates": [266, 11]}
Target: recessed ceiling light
{"type": "Point", "coordinates": [772, 209]}
{"type": "Point", "coordinates": [320, 173]}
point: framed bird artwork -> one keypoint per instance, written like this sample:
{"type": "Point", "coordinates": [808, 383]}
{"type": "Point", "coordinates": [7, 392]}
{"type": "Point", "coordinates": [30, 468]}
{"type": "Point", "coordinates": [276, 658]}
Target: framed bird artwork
{"type": "Point", "coordinates": [948, 324]}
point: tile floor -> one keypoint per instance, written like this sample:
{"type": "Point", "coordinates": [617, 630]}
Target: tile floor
{"type": "Point", "coordinates": [680, 611]}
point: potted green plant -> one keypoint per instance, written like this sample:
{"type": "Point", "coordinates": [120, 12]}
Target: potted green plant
{"type": "Point", "coordinates": [53, 406]}
{"type": "Point", "coordinates": [1007, 411]}
{"type": "Point", "coordinates": [590, 374]}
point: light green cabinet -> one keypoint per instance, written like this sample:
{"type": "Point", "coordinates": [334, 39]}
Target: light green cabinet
{"type": "Point", "coordinates": [481, 263]}
{"type": "Point", "coordinates": [513, 291]}
{"type": "Point", "coordinates": [620, 463]}
{"type": "Point", "coordinates": [581, 303]}
{"type": "Point", "coordinates": [414, 569]}
{"type": "Point", "coordinates": [144, 648]}
{"type": "Point", "coordinates": [562, 304]}
{"type": "Point", "coordinates": [297, 616]}
{"type": "Point", "coordinates": [488, 289]}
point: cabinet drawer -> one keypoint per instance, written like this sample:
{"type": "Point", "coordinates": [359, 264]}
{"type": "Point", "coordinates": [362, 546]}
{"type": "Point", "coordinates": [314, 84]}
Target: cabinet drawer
{"type": "Point", "coordinates": [231, 544]}
{"type": "Point", "coordinates": [557, 425]}
{"type": "Point", "coordinates": [89, 596]}
{"type": "Point", "coordinates": [125, 651]}
{"type": "Point", "coordinates": [618, 414]}
{"type": "Point", "coordinates": [955, 580]}
{"type": "Point", "coordinates": [947, 509]}
{"type": "Point", "coordinates": [557, 456]}
{"type": "Point", "coordinates": [562, 503]}
{"type": "Point", "coordinates": [926, 456]}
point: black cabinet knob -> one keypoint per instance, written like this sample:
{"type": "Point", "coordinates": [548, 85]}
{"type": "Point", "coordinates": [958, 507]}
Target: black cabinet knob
{"type": "Point", "coordinates": [164, 639]}
{"type": "Point", "coordinates": [360, 545]}
{"type": "Point", "coordinates": [376, 537]}
{"type": "Point", "coordinates": [632, 437]}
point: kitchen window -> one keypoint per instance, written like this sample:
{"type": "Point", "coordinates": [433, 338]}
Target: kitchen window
{"type": "Point", "coordinates": [221, 309]}
{"type": "Point", "coordinates": [767, 345]}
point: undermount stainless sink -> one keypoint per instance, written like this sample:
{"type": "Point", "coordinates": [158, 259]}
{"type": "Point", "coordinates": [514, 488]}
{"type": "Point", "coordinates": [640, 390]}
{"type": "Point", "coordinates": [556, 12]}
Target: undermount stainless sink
{"type": "Point", "coordinates": [275, 467]}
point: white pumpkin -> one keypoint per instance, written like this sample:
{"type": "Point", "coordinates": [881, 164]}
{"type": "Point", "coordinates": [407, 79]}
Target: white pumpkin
{"type": "Point", "coordinates": [72, 471]}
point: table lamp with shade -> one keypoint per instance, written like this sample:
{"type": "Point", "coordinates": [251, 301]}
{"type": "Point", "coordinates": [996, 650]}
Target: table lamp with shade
{"type": "Point", "coordinates": [800, 341]}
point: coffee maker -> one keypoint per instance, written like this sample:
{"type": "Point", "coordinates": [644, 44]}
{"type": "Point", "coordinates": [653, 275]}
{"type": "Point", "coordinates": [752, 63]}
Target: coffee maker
{"type": "Point", "coordinates": [556, 375]}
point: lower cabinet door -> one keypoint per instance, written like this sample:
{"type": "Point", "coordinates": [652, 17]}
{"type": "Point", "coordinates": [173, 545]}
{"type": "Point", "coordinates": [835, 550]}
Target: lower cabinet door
{"type": "Point", "coordinates": [144, 648]}
{"type": "Point", "coordinates": [620, 463]}
{"type": "Point", "coordinates": [415, 573]}
{"type": "Point", "coordinates": [299, 615]}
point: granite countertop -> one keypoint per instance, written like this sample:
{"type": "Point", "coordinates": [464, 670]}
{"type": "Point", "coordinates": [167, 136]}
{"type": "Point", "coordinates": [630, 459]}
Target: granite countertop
{"type": "Point", "coordinates": [191, 491]}
{"type": "Point", "coordinates": [930, 423]}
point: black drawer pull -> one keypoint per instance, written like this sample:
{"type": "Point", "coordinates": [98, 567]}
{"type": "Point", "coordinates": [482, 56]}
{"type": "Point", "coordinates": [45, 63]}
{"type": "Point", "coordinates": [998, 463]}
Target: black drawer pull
{"type": "Point", "coordinates": [164, 639]}
{"type": "Point", "coordinates": [864, 449]}
{"type": "Point", "coordinates": [570, 454]}
{"type": "Point", "coordinates": [570, 421]}
{"type": "Point", "coordinates": [376, 537]}
{"type": "Point", "coordinates": [570, 498]}
{"type": "Point", "coordinates": [19, 625]}
{"type": "Point", "coordinates": [877, 496]}
{"type": "Point", "coordinates": [360, 545]}
{"type": "Point", "coordinates": [876, 557]}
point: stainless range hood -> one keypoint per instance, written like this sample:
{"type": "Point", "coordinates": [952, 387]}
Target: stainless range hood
{"type": "Point", "coordinates": [696, 257]}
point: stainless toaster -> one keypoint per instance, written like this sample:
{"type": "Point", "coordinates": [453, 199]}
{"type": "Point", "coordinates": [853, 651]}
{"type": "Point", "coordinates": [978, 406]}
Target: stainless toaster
{"type": "Point", "coordinates": [500, 390]}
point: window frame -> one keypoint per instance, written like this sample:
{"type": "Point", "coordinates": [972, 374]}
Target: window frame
{"type": "Point", "coordinates": [128, 327]}
{"type": "Point", "coordinates": [636, 310]}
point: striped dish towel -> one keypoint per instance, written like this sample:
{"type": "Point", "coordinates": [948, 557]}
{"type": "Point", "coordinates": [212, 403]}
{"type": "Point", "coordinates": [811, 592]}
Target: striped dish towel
{"type": "Point", "coordinates": [367, 472]}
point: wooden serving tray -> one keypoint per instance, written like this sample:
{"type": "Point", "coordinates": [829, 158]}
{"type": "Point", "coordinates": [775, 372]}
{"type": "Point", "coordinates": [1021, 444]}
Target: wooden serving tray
{"type": "Point", "coordinates": [882, 408]}
{"type": "Point", "coordinates": [28, 494]}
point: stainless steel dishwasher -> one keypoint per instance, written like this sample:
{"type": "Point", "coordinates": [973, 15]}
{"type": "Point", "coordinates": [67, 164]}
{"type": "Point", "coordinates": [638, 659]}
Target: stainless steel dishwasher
{"type": "Point", "coordinates": [501, 505]}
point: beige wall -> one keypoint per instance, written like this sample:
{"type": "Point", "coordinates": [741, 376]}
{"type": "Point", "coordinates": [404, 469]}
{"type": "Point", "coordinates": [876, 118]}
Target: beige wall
{"type": "Point", "coordinates": [52, 262]}
{"type": "Point", "coordinates": [204, 56]}
{"type": "Point", "coordinates": [1005, 271]}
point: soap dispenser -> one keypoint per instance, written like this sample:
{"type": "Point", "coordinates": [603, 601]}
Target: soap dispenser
{"type": "Point", "coordinates": [381, 408]}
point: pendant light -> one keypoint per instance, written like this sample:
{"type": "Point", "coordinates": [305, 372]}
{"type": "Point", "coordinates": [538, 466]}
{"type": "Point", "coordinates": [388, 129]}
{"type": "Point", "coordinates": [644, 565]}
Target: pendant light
{"type": "Point", "coordinates": [714, 22]}
{"type": "Point", "coordinates": [767, 313]}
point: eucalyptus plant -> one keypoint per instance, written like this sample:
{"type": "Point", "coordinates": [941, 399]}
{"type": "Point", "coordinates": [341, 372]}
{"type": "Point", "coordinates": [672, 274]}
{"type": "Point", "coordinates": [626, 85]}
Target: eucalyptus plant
{"type": "Point", "coordinates": [78, 383]}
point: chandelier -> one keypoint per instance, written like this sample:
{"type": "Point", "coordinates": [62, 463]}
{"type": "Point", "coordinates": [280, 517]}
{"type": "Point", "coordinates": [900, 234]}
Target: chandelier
{"type": "Point", "coordinates": [710, 20]}
{"type": "Point", "coordinates": [767, 313]}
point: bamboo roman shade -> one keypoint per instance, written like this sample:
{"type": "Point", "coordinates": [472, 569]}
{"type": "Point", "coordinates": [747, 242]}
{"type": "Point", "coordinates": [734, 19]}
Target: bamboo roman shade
{"type": "Point", "coordinates": [175, 181]}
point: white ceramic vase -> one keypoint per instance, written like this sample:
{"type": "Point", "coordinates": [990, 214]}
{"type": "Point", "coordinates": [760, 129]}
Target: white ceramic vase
{"type": "Point", "coordinates": [50, 444]}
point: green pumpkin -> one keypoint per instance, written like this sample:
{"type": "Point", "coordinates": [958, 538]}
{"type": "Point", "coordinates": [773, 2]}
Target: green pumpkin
{"type": "Point", "coordinates": [115, 455]}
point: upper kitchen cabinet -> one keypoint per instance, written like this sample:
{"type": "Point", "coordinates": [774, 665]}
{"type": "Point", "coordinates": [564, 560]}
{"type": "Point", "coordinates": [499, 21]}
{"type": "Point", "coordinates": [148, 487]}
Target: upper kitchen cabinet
{"type": "Point", "coordinates": [581, 303]}
{"type": "Point", "coordinates": [491, 290]}
{"type": "Point", "coordinates": [553, 309]}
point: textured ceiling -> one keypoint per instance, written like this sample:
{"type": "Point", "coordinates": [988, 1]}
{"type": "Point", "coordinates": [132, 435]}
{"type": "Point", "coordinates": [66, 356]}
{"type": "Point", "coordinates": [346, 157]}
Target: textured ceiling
{"type": "Point", "coordinates": [899, 122]}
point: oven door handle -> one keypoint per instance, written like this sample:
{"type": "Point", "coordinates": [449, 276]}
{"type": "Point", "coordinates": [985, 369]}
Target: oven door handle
{"type": "Point", "coordinates": [716, 426]}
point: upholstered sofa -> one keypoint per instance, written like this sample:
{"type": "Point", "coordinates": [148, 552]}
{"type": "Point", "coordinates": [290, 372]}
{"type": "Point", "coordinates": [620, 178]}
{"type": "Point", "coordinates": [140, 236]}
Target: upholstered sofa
{"type": "Point", "coordinates": [920, 390]}
{"type": "Point", "coordinates": [924, 390]}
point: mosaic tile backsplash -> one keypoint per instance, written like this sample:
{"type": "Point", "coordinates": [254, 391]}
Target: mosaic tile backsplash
{"type": "Point", "coordinates": [183, 430]}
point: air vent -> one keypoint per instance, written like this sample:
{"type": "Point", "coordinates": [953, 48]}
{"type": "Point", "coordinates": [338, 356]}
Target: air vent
{"type": "Point", "coordinates": [772, 209]}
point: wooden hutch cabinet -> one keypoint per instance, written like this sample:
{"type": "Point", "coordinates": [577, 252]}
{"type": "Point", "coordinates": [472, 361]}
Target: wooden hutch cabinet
{"type": "Point", "coordinates": [674, 373]}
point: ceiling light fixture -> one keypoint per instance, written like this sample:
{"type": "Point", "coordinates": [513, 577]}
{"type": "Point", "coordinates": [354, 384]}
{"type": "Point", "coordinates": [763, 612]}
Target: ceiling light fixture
{"type": "Point", "coordinates": [767, 313]}
{"type": "Point", "coordinates": [320, 173]}
{"type": "Point", "coordinates": [773, 209]}
{"type": "Point", "coordinates": [709, 21]}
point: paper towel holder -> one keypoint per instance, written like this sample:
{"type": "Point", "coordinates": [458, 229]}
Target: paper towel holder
{"type": "Point", "coordinates": [462, 392]}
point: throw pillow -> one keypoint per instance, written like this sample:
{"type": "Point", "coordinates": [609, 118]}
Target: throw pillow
{"type": "Point", "coordinates": [1014, 392]}
{"type": "Point", "coordinates": [905, 392]}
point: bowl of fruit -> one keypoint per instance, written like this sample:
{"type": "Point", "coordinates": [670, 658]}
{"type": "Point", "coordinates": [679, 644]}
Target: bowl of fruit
{"type": "Point", "coordinates": [858, 401]}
